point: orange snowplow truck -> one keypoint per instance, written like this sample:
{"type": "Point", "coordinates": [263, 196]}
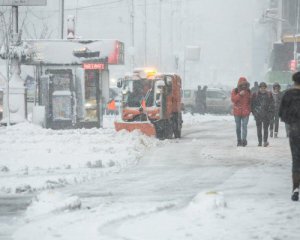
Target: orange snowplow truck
{"type": "Point", "coordinates": [151, 102]}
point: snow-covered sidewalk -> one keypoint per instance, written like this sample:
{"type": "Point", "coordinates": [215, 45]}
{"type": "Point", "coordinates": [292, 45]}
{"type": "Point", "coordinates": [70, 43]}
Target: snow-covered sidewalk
{"type": "Point", "coordinates": [33, 158]}
{"type": "Point", "coordinates": [201, 187]}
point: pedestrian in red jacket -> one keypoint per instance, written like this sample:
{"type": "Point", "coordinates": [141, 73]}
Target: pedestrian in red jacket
{"type": "Point", "coordinates": [241, 98]}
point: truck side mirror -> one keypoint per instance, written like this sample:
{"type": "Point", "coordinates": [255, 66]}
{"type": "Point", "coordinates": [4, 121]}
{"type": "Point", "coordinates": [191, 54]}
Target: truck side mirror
{"type": "Point", "coordinates": [168, 80]}
{"type": "Point", "coordinates": [120, 83]}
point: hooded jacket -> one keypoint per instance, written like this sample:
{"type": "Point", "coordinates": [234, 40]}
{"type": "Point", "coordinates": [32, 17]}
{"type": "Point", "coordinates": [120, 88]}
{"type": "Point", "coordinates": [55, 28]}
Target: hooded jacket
{"type": "Point", "coordinates": [241, 103]}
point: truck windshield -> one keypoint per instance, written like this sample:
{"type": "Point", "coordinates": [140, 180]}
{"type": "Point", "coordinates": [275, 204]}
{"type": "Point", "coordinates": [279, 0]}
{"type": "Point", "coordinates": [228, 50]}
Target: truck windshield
{"type": "Point", "coordinates": [137, 91]}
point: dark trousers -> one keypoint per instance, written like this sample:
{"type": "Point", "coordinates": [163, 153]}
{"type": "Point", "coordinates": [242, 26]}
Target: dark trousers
{"type": "Point", "coordinates": [287, 129]}
{"type": "Point", "coordinates": [262, 125]}
{"type": "Point", "coordinates": [295, 149]}
{"type": "Point", "coordinates": [274, 121]}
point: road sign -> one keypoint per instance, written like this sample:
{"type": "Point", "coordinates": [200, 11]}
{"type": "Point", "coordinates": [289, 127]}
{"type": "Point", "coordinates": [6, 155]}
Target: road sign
{"type": "Point", "coordinates": [94, 66]}
{"type": "Point", "coordinates": [23, 2]}
{"type": "Point", "coordinates": [192, 53]}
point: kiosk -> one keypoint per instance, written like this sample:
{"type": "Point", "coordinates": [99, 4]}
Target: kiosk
{"type": "Point", "coordinates": [72, 80]}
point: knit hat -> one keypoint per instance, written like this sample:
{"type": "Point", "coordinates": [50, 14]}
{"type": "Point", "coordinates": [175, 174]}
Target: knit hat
{"type": "Point", "coordinates": [276, 85]}
{"type": "Point", "coordinates": [263, 84]}
{"type": "Point", "coordinates": [242, 81]}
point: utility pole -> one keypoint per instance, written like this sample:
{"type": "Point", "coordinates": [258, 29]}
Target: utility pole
{"type": "Point", "coordinates": [132, 15]}
{"type": "Point", "coordinates": [145, 32]}
{"type": "Point", "coordinates": [171, 34]}
{"type": "Point", "coordinates": [61, 18]}
{"type": "Point", "coordinates": [160, 35]}
{"type": "Point", "coordinates": [296, 32]}
{"type": "Point", "coordinates": [7, 83]}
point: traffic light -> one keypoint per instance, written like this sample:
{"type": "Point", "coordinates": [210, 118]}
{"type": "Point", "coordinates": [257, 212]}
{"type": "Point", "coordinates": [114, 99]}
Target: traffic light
{"type": "Point", "coordinates": [293, 65]}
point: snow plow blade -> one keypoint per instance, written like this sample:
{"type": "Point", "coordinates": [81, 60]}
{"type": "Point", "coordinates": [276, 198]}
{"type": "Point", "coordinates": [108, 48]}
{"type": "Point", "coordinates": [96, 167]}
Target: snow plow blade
{"type": "Point", "coordinates": [145, 127]}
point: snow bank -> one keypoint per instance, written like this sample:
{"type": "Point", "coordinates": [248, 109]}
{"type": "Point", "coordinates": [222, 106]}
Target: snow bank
{"type": "Point", "coordinates": [34, 158]}
{"type": "Point", "coordinates": [52, 202]}
{"type": "Point", "coordinates": [207, 201]}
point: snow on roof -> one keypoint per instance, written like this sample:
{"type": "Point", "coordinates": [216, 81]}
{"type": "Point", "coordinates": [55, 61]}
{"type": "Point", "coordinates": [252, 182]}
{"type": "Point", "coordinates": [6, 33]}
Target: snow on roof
{"type": "Point", "coordinates": [53, 52]}
{"type": "Point", "coordinates": [61, 93]}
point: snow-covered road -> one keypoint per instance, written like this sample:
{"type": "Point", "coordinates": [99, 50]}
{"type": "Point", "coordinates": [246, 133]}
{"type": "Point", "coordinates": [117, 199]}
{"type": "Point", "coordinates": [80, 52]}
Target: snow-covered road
{"type": "Point", "coordinates": [199, 187]}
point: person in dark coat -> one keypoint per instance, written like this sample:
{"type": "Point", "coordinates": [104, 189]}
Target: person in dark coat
{"type": "Point", "coordinates": [199, 105]}
{"type": "Point", "coordinates": [241, 99]}
{"type": "Point", "coordinates": [289, 112]}
{"type": "Point", "coordinates": [287, 128]}
{"type": "Point", "coordinates": [203, 99]}
{"type": "Point", "coordinates": [277, 95]}
{"type": "Point", "coordinates": [255, 88]}
{"type": "Point", "coordinates": [262, 106]}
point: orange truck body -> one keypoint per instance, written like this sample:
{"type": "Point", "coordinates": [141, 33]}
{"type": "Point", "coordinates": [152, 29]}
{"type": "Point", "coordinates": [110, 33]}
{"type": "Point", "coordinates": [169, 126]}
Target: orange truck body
{"type": "Point", "coordinates": [163, 118]}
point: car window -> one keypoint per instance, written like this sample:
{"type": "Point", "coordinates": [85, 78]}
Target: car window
{"type": "Point", "coordinates": [187, 93]}
{"type": "Point", "coordinates": [215, 94]}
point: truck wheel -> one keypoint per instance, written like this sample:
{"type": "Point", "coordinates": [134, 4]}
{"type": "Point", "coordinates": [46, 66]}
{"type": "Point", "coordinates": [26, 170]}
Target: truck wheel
{"type": "Point", "coordinates": [177, 123]}
{"type": "Point", "coordinates": [177, 133]}
{"type": "Point", "coordinates": [165, 131]}
{"type": "Point", "coordinates": [168, 130]}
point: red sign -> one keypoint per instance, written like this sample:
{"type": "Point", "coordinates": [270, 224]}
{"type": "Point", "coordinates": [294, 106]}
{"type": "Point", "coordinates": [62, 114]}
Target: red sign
{"type": "Point", "coordinates": [293, 65]}
{"type": "Point", "coordinates": [94, 66]}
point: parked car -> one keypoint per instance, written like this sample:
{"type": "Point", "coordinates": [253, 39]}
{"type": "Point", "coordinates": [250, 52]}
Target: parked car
{"type": "Point", "coordinates": [218, 101]}
{"type": "Point", "coordinates": [189, 100]}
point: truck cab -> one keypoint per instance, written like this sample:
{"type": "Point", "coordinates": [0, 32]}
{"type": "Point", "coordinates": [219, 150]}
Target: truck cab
{"type": "Point", "coordinates": [151, 102]}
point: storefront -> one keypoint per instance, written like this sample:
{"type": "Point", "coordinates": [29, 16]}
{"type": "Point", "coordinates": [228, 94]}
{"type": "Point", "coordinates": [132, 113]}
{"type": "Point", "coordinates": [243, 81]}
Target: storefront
{"type": "Point", "coordinates": [73, 86]}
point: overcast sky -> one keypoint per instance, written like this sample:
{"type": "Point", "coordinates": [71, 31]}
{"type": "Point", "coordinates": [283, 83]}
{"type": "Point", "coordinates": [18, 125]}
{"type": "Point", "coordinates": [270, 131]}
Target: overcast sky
{"type": "Point", "coordinates": [224, 30]}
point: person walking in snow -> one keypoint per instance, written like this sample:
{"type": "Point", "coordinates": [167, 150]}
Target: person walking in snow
{"type": "Point", "coordinates": [203, 99]}
{"type": "Point", "coordinates": [198, 106]}
{"type": "Point", "coordinates": [277, 95]}
{"type": "Point", "coordinates": [241, 99]}
{"type": "Point", "coordinates": [255, 88]}
{"type": "Point", "coordinates": [262, 105]}
{"type": "Point", "coordinates": [289, 112]}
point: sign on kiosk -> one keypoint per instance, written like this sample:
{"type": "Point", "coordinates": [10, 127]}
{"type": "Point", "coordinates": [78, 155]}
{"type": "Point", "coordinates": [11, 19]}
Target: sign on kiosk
{"type": "Point", "coordinates": [23, 2]}
{"type": "Point", "coordinates": [94, 66]}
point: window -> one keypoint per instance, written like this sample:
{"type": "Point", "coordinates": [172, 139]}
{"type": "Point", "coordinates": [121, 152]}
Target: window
{"type": "Point", "coordinates": [61, 82]}
{"type": "Point", "coordinates": [187, 93]}
{"type": "Point", "coordinates": [215, 94]}
{"type": "Point", "coordinates": [62, 107]}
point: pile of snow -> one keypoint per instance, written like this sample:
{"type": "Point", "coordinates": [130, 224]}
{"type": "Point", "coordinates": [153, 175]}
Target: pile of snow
{"type": "Point", "coordinates": [207, 201]}
{"type": "Point", "coordinates": [34, 158]}
{"type": "Point", "coordinates": [52, 202]}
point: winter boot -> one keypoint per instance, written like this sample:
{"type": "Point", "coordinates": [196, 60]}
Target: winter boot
{"type": "Point", "coordinates": [295, 195]}
{"type": "Point", "coordinates": [239, 143]}
{"type": "Point", "coordinates": [244, 143]}
{"type": "Point", "coordinates": [296, 181]}
{"type": "Point", "coordinates": [276, 135]}
{"type": "Point", "coordinates": [266, 144]}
